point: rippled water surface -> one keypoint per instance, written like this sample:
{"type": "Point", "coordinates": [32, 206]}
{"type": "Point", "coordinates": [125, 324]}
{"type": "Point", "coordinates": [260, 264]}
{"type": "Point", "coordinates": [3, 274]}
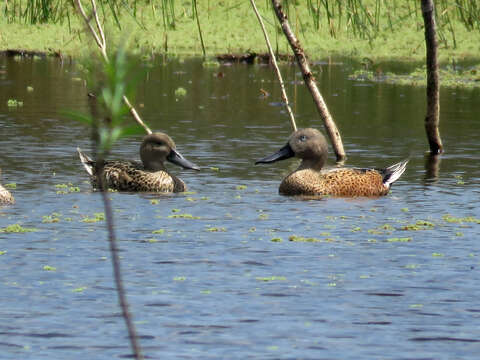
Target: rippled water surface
{"type": "Point", "coordinates": [213, 273]}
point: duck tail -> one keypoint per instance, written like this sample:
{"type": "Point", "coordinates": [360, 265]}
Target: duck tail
{"type": "Point", "coordinates": [86, 161]}
{"type": "Point", "coordinates": [392, 173]}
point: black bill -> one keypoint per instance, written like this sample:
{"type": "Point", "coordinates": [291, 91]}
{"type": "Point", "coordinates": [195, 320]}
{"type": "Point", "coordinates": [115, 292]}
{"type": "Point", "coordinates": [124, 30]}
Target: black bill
{"type": "Point", "coordinates": [285, 152]}
{"type": "Point", "coordinates": [176, 158]}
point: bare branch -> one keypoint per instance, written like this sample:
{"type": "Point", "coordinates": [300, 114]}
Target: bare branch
{"type": "Point", "coordinates": [309, 79]}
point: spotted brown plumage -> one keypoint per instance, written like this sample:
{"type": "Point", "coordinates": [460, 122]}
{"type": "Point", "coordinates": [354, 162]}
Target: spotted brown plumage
{"type": "Point", "coordinates": [149, 175]}
{"type": "Point", "coordinates": [5, 196]}
{"type": "Point", "coordinates": [310, 178]}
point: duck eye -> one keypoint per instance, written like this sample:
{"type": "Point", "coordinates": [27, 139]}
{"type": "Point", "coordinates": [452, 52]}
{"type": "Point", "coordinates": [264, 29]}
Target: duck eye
{"type": "Point", "coordinates": [303, 138]}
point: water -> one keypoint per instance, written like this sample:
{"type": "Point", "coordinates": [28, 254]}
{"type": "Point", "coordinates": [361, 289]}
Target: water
{"type": "Point", "coordinates": [364, 289]}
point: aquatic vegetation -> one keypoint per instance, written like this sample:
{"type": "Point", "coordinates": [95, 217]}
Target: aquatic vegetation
{"type": "Point", "coordinates": [3, 252]}
{"type": "Point", "coordinates": [183, 216]}
{"type": "Point", "coordinates": [159, 231]}
{"type": "Point", "coordinates": [451, 77]}
{"type": "Point", "coordinates": [16, 228]}
{"type": "Point", "coordinates": [80, 289]}
{"type": "Point", "coordinates": [263, 216]}
{"type": "Point", "coordinates": [49, 268]}
{"type": "Point", "coordinates": [277, 239]}
{"type": "Point", "coordinates": [296, 238]}
{"type": "Point", "coordinates": [399, 239]}
{"type": "Point", "coordinates": [452, 219]}
{"type": "Point", "coordinates": [435, 254]}
{"type": "Point", "coordinates": [154, 201]}
{"type": "Point", "coordinates": [11, 186]}
{"type": "Point", "coordinates": [29, 88]}
{"type": "Point", "coordinates": [240, 187]}
{"type": "Point", "coordinates": [179, 278]}
{"type": "Point", "coordinates": [14, 103]}
{"type": "Point", "coordinates": [216, 229]}
{"type": "Point", "coordinates": [419, 225]}
{"type": "Point", "coordinates": [214, 168]}
{"type": "Point", "coordinates": [271, 278]}
{"type": "Point", "coordinates": [66, 188]}
{"type": "Point", "coordinates": [96, 218]}
{"type": "Point", "coordinates": [180, 92]}
{"type": "Point", "coordinates": [53, 218]}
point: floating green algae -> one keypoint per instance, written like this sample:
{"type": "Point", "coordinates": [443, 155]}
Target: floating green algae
{"type": "Point", "coordinates": [399, 239]}
{"type": "Point", "coordinates": [16, 228]}
{"type": "Point", "coordinates": [179, 278]}
{"type": "Point", "coordinates": [183, 216]}
{"type": "Point", "coordinates": [216, 229]}
{"type": "Point", "coordinates": [296, 238]}
{"type": "Point", "coordinates": [419, 225]}
{"type": "Point", "coordinates": [96, 218]}
{"type": "Point", "coordinates": [11, 186]}
{"type": "Point", "coordinates": [452, 219]}
{"type": "Point", "coordinates": [277, 239]}
{"type": "Point", "coordinates": [159, 231]}
{"type": "Point", "coordinates": [49, 268]}
{"type": "Point", "coordinates": [271, 278]}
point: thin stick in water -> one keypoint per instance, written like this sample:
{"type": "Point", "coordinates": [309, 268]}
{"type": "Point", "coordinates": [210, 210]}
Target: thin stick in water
{"type": "Point", "coordinates": [275, 65]}
{"type": "Point", "coordinates": [102, 45]}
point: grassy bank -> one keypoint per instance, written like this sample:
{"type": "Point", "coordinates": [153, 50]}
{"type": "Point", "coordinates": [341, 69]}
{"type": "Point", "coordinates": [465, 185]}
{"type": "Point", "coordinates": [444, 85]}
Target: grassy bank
{"type": "Point", "coordinates": [231, 27]}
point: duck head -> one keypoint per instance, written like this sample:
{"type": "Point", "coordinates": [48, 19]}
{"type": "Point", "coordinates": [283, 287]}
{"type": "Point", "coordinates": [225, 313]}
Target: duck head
{"type": "Point", "coordinates": [307, 144]}
{"type": "Point", "coordinates": [157, 148]}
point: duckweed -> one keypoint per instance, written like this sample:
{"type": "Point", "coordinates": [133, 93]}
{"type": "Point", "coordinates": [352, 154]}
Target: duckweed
{"type": "Point", "coordinates": [271, 278]}
{"type": "Point", "coordinates": [183, 216]}
{"type": "Point", "coordinates": [451, 219]}
{"type": "Point", "coordinates": [296, 238]}
{"type": "Point", "coordinates": [216, 229]}
{"type": "Point", "coordinates": [419, 225]}
{"type": "Point", "coordinates": [96, 218]}
{"type": "Point", "coordinates": [49, 268]}
{"type": "Point", "coordinates": [402, 239]}
{"type": "Point", "coordinates": [16, 228]}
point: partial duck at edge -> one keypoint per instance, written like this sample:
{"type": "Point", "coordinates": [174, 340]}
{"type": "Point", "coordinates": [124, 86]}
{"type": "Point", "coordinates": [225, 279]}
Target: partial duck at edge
{"type": "Point", "coordinates": [149, 175]}
{"type": "Point", "coordinates": [310, 178]}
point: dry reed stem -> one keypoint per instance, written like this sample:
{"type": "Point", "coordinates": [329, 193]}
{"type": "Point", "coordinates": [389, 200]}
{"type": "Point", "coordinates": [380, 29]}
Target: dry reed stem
{"type": "Point", "coordinates": [102, 45]}
{"type": "Point", "coordinates": [275, 65]}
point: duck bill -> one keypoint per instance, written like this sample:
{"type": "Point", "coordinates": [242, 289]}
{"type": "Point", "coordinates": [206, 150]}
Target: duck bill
{"type": "Point", "coordinates": [285, 152]}
{"type": "Point", "coordinates": [176, 158]}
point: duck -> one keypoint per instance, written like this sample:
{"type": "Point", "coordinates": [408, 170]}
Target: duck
{"type": "Point", "coordinates": [312, 179]}
{"type": "Point", "coordinates": [149, 175]}
{"type": "Point", "coordinates": [6, 198]}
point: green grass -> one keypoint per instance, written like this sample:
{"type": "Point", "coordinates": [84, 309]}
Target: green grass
{"type": "Point", "coordinates": [371, 29]}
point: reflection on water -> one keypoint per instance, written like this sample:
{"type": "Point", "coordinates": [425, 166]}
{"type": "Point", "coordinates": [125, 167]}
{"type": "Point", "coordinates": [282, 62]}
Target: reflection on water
{"type": "Point", "coordinates": [233, 270]}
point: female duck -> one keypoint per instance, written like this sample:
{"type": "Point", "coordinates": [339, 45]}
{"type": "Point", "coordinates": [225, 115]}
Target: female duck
{"type": "Point", "coordinates": [150, 175]}
{"type": "Point", "coordinates": [5, 196]}
{"type": "Point", "coordinates": [311, 179]}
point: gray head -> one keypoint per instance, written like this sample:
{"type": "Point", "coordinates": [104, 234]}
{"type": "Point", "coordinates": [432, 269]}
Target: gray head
{"type": "Point", "coordinates": [307, 144]}
{"type": "Point", "coordinates": [157, 148]}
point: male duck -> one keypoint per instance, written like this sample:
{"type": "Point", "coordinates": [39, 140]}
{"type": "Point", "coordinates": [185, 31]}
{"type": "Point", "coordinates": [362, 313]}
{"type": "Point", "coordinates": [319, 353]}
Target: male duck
{"type": "Point", "coordinates": [150, 175]}
{"type": "Point", "coordinates": [311, 179]}
{"type": "Point", "coordinates": [5, 196]}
